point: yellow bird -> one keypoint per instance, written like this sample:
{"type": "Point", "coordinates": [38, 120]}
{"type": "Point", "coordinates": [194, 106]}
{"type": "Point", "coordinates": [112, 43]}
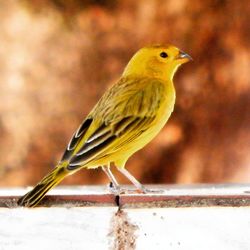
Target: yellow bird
{"type": "Point", "coordinates": [128, 116]}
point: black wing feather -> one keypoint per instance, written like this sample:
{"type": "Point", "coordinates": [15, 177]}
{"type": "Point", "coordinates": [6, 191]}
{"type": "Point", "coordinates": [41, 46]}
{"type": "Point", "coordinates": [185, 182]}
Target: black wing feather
{"type": "Point", "coordinates": [100, 140]}
{"type": "Point", "coordinates": [76, 138]}
{"type": "Point", "coordinates": [77, 160]}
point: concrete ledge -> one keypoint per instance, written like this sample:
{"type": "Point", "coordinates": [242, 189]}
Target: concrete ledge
{"type": "Point", "coordinates": [162, 196]}
{"type": "Point", "coordinates": [181, 217]}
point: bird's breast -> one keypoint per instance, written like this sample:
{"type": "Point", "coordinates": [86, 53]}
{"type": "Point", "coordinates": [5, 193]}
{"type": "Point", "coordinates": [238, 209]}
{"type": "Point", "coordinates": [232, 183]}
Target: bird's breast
{"type": "Point", "coordinates": [163, 113]}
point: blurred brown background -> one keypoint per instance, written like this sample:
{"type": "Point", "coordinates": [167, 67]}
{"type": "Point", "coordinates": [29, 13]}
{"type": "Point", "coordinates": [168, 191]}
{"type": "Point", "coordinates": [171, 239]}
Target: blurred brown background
{"type": "Point", "coordinates": [58, 57]}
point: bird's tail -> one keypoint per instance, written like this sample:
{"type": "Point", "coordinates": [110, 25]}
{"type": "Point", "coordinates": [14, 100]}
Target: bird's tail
{"type": "Point", "coordinates": [33, 197]}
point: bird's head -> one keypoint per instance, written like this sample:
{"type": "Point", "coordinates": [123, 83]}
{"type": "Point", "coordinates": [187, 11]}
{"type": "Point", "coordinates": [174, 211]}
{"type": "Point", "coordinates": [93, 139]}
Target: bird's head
{"type": "Point", "coordinates": [157, 61]}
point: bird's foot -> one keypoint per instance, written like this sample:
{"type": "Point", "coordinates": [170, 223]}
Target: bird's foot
{"type": "Point", "coordinates": [117, 190]}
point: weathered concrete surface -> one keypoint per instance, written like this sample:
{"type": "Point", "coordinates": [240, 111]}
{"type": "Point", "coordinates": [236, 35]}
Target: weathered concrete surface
{"type": "Point", "coordinates": [181, 217]}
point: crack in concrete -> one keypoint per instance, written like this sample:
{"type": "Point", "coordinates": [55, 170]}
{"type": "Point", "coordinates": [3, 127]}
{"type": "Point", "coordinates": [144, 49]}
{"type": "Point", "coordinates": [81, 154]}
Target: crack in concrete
{"type": "Point", "coordinates": [117, 200]}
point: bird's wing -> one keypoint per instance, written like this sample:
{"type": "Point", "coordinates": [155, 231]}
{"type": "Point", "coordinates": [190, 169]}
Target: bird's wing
{"type": "Point", "coordinates": [120, 116]}
{"type": "Point", "coordinates": [106, 141]}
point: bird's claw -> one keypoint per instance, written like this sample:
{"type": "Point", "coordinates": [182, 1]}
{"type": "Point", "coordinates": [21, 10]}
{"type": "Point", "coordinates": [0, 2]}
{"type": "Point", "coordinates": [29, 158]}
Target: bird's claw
{"type": "Point", "coordinates": [117, 190]}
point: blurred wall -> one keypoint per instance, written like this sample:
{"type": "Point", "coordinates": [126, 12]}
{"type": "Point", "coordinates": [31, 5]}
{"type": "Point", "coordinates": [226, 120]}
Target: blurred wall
{"type": "Point", "coordinates": [58, 57]}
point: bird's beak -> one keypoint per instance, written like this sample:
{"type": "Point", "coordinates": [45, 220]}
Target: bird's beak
{"type": "Point", "coordinates": [184, 57]}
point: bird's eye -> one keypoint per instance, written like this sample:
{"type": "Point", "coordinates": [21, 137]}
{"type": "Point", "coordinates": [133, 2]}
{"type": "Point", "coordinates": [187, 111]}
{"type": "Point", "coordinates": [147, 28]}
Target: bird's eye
{"type": "Point", "coordinates": [163, 54]}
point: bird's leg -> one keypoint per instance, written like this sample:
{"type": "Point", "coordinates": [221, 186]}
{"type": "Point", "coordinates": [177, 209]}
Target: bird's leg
{"type": "Point", "coordinates": [137, 184]}
{"type": "Point", "coordinates": [114, 185]}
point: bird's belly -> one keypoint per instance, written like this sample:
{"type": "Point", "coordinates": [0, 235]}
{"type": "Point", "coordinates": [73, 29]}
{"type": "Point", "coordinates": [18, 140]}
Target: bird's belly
{"type": "Point", "coordinates": [134, 145]}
